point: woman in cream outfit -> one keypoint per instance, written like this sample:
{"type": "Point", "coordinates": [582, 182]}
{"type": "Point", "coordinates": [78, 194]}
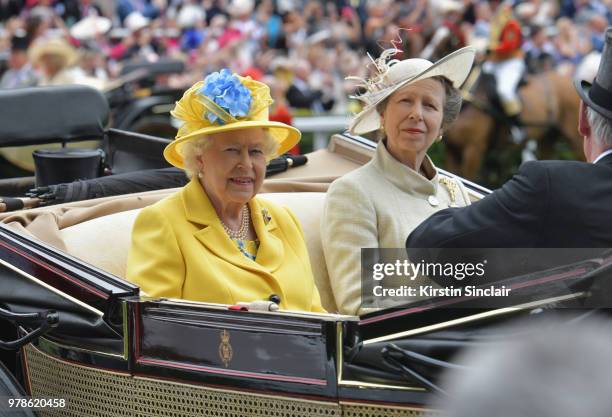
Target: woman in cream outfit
{"type": "Point", "coordinates": [410, 103]}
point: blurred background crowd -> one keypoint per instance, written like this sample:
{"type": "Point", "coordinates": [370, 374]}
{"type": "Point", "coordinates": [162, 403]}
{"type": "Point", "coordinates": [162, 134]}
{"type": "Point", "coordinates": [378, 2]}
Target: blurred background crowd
{"type": "Point", "coordinates": [303, 49]}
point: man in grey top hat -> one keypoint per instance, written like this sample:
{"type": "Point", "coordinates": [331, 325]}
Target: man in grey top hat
{"type": "Point", "coordinates": [547, 204]}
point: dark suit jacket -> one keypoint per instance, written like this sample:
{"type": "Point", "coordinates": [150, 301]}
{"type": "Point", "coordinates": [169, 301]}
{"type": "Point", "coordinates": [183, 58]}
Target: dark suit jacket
{"type": "Point", "coordinates": [547, 204]}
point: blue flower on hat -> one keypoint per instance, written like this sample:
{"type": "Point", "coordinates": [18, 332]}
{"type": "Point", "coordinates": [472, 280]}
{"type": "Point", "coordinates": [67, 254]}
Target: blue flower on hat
{"type": "Point", "coordinates": [227, 92]}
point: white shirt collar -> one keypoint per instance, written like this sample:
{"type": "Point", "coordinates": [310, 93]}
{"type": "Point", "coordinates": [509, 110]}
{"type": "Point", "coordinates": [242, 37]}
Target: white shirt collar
{"type": "Point", "coordinates": [602, 155]}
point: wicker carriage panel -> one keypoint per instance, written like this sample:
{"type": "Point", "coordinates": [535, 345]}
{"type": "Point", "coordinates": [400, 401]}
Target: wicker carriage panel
{"type": "Point", "coordinates": [179, 400]}
{"type": "Point", "coordinates": [364, 410]}
{"type": "Point", "coordinates": [96, 393]}
{"type": "Point", "coordinates": [87, 392]}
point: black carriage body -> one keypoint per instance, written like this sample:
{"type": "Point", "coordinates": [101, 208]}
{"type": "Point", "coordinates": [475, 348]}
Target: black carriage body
{"type": "Point", "coordinates": [106, 327]}
{"type": "Point", "coordinates": [251, 350]}
{"type": "Point", "coordinates": [113, 346]}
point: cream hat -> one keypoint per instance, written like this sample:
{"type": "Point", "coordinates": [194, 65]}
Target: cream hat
{"type": "Point", "coordinates": [447, 6]}
{"type": "Point", "coordinates": [135, 21]}
{"type": "Point", "coordinates": [241, 7]}
{"type": "Point", "coordinates": [56, 47]}
{"type": "Point", "coordinates": [190, 15]}
{"type": "Point", "coordinates": [395, 74]}
{"type": "Point", "coordinates": [90, 27]}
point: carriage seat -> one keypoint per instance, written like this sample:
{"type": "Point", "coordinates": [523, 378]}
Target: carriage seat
{"type": "Point", "coordinates": [109, 250]}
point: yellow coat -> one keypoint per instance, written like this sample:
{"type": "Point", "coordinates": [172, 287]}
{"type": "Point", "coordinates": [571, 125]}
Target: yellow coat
{"type": "Point", "coordinates": [180, 250]}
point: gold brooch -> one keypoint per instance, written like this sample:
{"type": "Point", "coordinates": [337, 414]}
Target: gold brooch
{"type": "Point", "coordinates": [266, 216]}
{"type": "Point", "coordinates": [451, 186]}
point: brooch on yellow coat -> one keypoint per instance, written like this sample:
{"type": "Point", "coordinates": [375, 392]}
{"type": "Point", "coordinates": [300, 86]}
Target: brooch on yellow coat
{"type": "Point", "coordinates": [266, 216]}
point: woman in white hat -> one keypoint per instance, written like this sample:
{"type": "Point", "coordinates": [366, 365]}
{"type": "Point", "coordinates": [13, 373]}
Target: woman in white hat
{"type": "Point", "coordinates": [410, 103]}
{"type": "Point", "coordinates": [215, 240]}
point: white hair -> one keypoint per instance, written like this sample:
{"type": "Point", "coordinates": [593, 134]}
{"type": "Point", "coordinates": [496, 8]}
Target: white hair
{"type": "Point", "coordinates": [193, 149]}
{"type": "Point", "coordinates": [601, 127]}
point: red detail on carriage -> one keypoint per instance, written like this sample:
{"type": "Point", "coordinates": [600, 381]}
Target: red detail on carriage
{"type": "Point", "coordinates": [550, 278]}
{"type": "Point", "coordinates": [56, 271]}
{"type": "Point", "coordinates": [229, 372]}
{"type": "Point", "coordinates": [238, 308]}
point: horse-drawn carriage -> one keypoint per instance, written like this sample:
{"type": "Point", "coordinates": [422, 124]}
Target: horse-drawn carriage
{"type": "Point", "coordinates": [96, 342]}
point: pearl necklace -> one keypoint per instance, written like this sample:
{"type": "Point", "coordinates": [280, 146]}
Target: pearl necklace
{"type": "Point", "coordinates": [243, 232]}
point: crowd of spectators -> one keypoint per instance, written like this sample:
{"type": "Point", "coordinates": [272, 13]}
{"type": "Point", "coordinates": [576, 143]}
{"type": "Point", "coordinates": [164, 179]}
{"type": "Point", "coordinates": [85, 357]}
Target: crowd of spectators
{"type": "Point", "coordinates": [303, 48]}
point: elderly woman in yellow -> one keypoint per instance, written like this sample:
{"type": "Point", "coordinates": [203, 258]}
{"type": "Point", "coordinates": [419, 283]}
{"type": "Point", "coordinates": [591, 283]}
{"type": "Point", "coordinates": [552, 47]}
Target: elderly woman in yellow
{"type": "Point", "coordinates": [214, 240]}
{"type": "Point", "coordinates": [410, 103]}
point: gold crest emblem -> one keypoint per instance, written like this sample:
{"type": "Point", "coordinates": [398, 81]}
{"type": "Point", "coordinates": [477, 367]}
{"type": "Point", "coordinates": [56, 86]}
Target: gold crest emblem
{"type": "Point", "coordinates": [225, 348]}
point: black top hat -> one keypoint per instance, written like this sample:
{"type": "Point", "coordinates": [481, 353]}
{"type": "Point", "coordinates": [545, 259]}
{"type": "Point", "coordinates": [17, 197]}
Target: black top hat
{"type": "Point", "coordinates": [598, 96]}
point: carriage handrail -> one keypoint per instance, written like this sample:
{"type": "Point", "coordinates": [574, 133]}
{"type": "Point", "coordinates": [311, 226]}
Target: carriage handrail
{"type": "Point", "coordinates": [321, 127]}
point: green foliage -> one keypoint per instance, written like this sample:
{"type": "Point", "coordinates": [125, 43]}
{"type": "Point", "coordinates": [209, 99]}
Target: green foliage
{"type": "Point", "coordinates": [306, 143]}
{"type": "Point", "coordinates": [437, 153]}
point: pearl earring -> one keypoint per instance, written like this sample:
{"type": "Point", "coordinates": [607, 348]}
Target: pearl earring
{"type": "Point", "coordinates": [382, 130]}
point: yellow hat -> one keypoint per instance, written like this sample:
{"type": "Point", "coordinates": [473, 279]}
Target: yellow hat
{"type": "Point", "coordinates": [224, 102]}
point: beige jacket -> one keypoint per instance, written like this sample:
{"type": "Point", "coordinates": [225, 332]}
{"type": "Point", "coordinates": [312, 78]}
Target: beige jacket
{"type": "Point", "coordinates": [377, 206]}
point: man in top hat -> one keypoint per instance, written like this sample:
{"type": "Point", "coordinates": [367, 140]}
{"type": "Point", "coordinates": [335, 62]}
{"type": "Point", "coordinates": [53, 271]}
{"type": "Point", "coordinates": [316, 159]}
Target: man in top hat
{"type": "Point", "coordinates": [548, 204]}
{"type": "Point", "coordinates": [20, 72]}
